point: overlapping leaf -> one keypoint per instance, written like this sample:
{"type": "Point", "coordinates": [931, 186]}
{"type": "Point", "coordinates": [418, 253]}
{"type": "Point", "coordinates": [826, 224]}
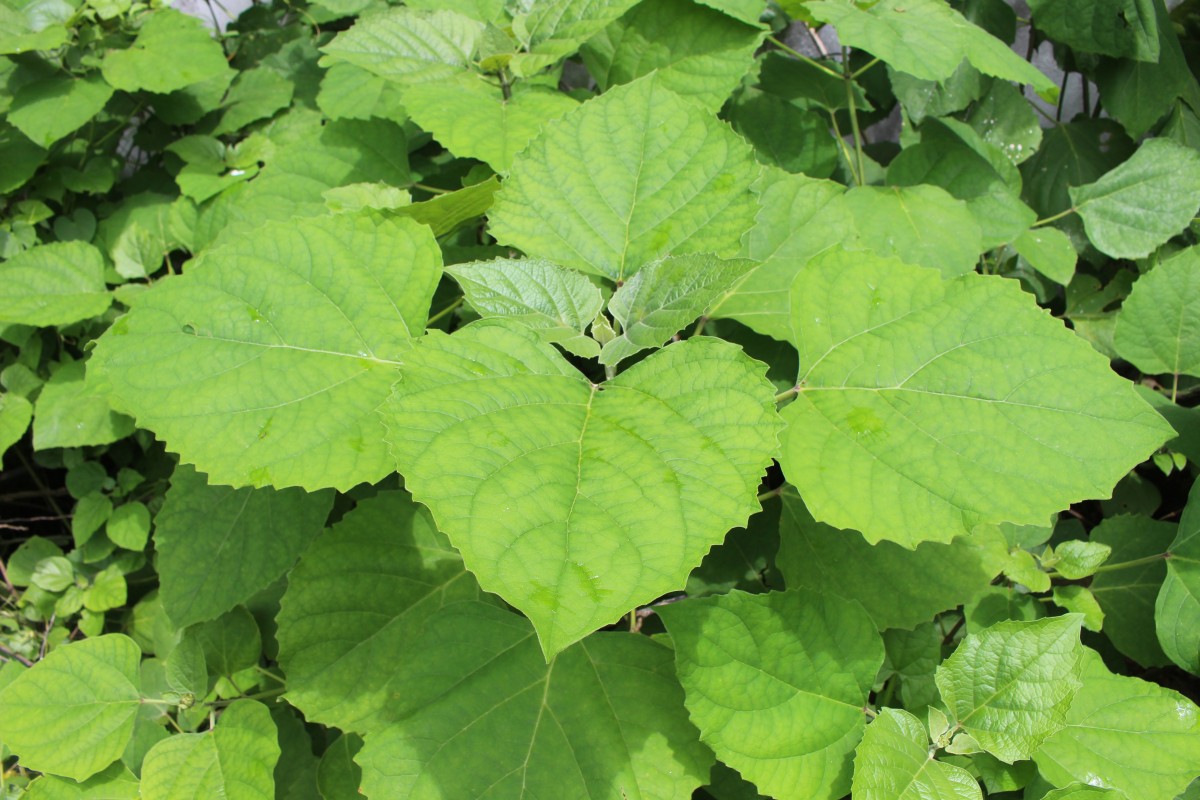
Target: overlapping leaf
{"type": "Point", "coordinates": [1158, 327]}
{"type": "Point", "coordinates": [172, 50]}
{"type": "Point", "coordinates": [893, 763]}
{"type": "Point", "coordinates": [53, 284]}
{"type": "Point", "coordinates": [407, 45]}
{"type": "Point", "coordinates": [1127, 595]}
{"type": "Point", "coordinates": [1177, 609]}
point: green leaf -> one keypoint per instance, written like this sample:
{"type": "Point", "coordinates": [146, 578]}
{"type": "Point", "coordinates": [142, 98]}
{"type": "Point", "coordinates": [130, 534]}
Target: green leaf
{"type": "Point", "coordinates": [186, 668]}
{"type": "Point", "coordinates": [891, 222]}
{"type": "Point", "coordinates": [605, 717]}
{"type": "Point", "coordinates": [750, 664]}
{"type": "Point", "coordinates": [1010, 686]}
{"type": "Point", "coordinates": [1177, 609]}
{"type": "Point", "coordinates": [15, 414]}
{"type": "Point", "coordinates": [558, 303]}
{"type": "Point", "coordinates": [218, 546]}
{"type": "Point", "coordinates": [114, 783]}
{"type": "Point", "coordinates": [129, 526]}
{"type": "Point", "coordinates": [19, 158]}
{"type": "Point", "coordinates": [53, 284]}
{"type": "Point", "coordinates": [234, 760]}
{"type": "Point", "coordinates": [255, 94]}
{"type": "Point", "coordinates": [47, 110]}
{"type": "Point", "coordinates": [912, 658]}
{"type": "Point", "coordinates": [568, 551]}
{"type": "Point", "coordinates": [1126, 596]}
{"type": "Point", "coordinates": [1080, 600]}
{"type": "Point", "coordinates": [446, 212]}
{"type": "Point", "coordinates": [1004, 118]}
{"type": "Point", "coordinates": [70, 414]}
{"type": "Point", "coordinates": [1079, 791]}
{"type": "Point", "coordinates": [359, 596]}
{"type": "Point", "coordinates": [72, 713]}
{"type": "Point", "coordinates": [925, 38]}
{"type": "Point", "coordinates": [898, 587]}
{"type": "Point", "coordinates": [1158, 327]}
{"type": "Point", "coordinates": [960, 382]}
{"type": "Point", "coordinates": [665, 295]}
{"type": "Point", "coordinates": [361, 196]}
{"type": "Point", "coordinates": [551, 31]}
{"type": "Point", "coordinates": [406, 45]}
{"type": "Point", "coordinates": [172, 50]}
{"type": "Point", "coordinates": [1127, 734]}
{"type": "Point", "coordinates": [1109, 27]}
{"type": "Point", "coordinates": [53, 574]}
{"type": "Point", "coordinates": [331, 304]}
{"type": "Point", "coordinates": [1077, 559]}
{"type": "Point", "coordinates": [595, 191]}
{"type": "Point", "coordinates": [1142, 203]}
{"type": "Point", "coordinates": [791, 138]}
{"type": "Point", "coordinates": [338, 777]}
{"type": "Point", "coordinates": [231, 642]}
{"type": "Point", "coordinates": [893, 763]}
{"type": "Point", "coordinates": [1049, 251]}
{"type": "Point", "coordinates": [350, 92]}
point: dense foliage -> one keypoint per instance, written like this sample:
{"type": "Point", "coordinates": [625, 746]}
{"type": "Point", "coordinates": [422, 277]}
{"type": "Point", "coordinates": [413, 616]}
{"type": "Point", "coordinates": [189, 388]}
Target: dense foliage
{"type": "Point", "coordinates": [600, 399]}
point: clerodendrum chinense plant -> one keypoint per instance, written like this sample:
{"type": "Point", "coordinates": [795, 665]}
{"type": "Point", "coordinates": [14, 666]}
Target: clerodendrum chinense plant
{"type": "Point", "coordinates": [598, 399]}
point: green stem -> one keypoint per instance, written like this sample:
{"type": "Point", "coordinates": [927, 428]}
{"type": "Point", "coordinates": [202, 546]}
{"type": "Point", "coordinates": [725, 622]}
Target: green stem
{"type": "Point", "coordinates": [841, 140]}
{"type": "Point", "coordinates": [444, 311]}
{"type": "Point", "coordinates": [848, 78]}
{"type": "Point", "coordinates": [802, 57]}
{"type": "Point", "coordinates": [269, 674]}
{"type": "Point", "coordinates": [787, 394]}
{"type": "Point", "coordinates": [431, 189]}
{"type": "Point", "coordinates": [1136, 562]}
{"type": "Point", "coordinates": [765, 496]}
{"type": "Point", "coordinates": [257, 696]}
{"type": "Point", "coordinates": [1175, 387]}
{"type": "Point", "coordinates": [864, 68]}
{"type": "Point", "coordinates": [1054, 217]}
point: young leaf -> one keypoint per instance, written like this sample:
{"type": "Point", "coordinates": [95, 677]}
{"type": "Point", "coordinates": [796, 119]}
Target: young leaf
{"type": "Point", "coordinates": [551, 31]}
{"type": "Point", "coordinates": [172, 50]}
{"type": "Point", "coordinates": [572, 501]}
{"type": "Point", "coordinates": [1158, 326]}
{"type": "Point", "coordinates": [909, 384]}
{"type": "Point", "coordinates": [1077, 559]}
{"type": "Point", "coordinates": [234, 760]}
{"type": "Point", "coordinates": [603, 719]}
{"type": "Point", "coordinates": [758, 679]}
{"type": "Point", "coordinates": [446, 212]}
{"type": "Point", "coordinates": [893, 762]}
{"type": "Point", "coordinates": [1126, 596]}
{"type": "Point", "coordinates": [1127, 734]}
{"type": "Point", "coordinates": [1177, 610]}
{"type": "Point", "coordinates": [596, 191]}
{"type": "Point", "coordinates": [1010, 686]}
{"type": "Point", "coordinates": [47, 110]}
{"type": "Point", "coordinates": [263, 363]}
{"type": "Point", "coordinates": [72, 713]}
{"type": "Point", "coordinates": [1049, 251]}
{"type": "Point", "coordinates": [53, 284]}
{"type": "Point", "coordinates": [407, 45]}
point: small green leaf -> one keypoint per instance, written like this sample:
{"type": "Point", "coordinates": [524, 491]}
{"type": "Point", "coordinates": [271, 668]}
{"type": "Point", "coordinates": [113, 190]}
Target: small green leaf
{"type": "Point", "coordinates": [53, 574]}
{"type": "Point", "coordinates": [186, 668]}
{"type": "Point", "coordinates": [231, 642]}
{"type": "Point", "coordinates": [1080, 600]}
{"type": "Point", "coordinates": [47, 110]}
{"type": "Point", "coordinates": [108, 590]}
{"type": "Point", "coordinates": [114, 783]}
{"type": "Point", "coordinates": [172, 50]}
{"type": "Point", "coordinates": [15, 415]}
{"type": "Point", "coordinates": [893, 762]}
{"type": "Point", "coordinates": [53, 284]}
{"type": "Point", "coordinates": [1077, 559]}
{"type": "Point", "coordinates": [447, 212]}
{"type": "Point", "coordinates": [129, 526]}
{"type": "Point", "coordinates": [1158, 327]}
{"type": "Point", "coordinates": [1049, 251]}
{"type": "Point", "coordinates": [1010, 686]}
{"type": "Point", "coordinates": [1177, 610]}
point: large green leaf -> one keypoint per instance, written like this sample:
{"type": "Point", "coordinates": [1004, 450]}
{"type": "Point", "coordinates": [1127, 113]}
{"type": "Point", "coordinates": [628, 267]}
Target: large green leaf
{"type": "Point", "coordinates": [893, 762]}
{"type": "Point", "coordinates": [172, 50]}
{"type": "Point", "coordinates": [1177, 610]}
{"type": "Point", "coordinates": [760, 681]}
{"type": "Point", "coordinates": [72, 714]}
{"type": "Point", "coordinates": [1127, 595]}
{"type": "Point", "coordinates": [482, 715]}
{"type": "Point", "coordinates": [898, 587]}
{"type": "Point", "coordinates": [927, 406]}
{"type": "Point", "coordinates": [1142, 203]}
{"type": "Point", "coordinates": [576, 502]}
{"type": "Point", "coordinates": [356, 601]}
{"type": "Point", "coordinates": [263, 363]}
{"type": "Point", "coordinates": [407, 45]}
{"type": "Point", "coordinates": [1110, 27]}
{"type": "Point", "coordinates": [925, 38]}
{"type": "Point", "coordinates": [53, 284]}
{"type": "Point", "coordinates": [234, 760]}
{"type": "Point", "coordinates": [47, 110]}
{"type": "Point", "coordinates": [1158, 327]}
{"type": "Point", "coordinates": [1127, 734]}
{"type": "Point", "coordinates": [218, 546]}
{"type": "Point", "coordinates": [1009, 686]}
{"type": "Point", "coordinates": [596, 191]}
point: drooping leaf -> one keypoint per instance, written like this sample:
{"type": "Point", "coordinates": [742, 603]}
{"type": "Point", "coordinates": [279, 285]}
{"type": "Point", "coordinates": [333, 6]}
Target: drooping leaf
{"type": "Point", "coordinates": [53, 284]}
{"type": "Point", "coordinates": [893, 762]}
{"type": "Point", "coordinates": [446, 212]}
{"type": "Point", "coordinates": [264, 362]}
{"type": "Point", "coordinates": [750, 664]}
{"type": "Point", "coordinates": [47, 110]}
{"type": "Point", "coordinates": [407, 45]}
{"type": "Point", "coordinates": [1010, 685]}
{"type": "Point", "coordinates": [1177, 609]}
{"type": "Point", "coordinates": [545, 458]}
{"type": "Point", "coordinates": [1127, 595]}
{"type": "Point", "coordinates": [596, 192]}
{"type": "Point", "coordinates": [1158, 327]}
{"type": "Point", "coordinates": [232, 642]}
{"type": "Point", "coordinates": [172, 50]}
{"type": "Point", "coordinates": [1109, 27]}
{"type": "Point", "coordinates": [72, 713]}
{"type": "Point", "coordinates": [910, 384]}
{"type": "Point", "coordinates": [218, 546]}
{"type": "Point", "coordinates": [1127, 734]}
{"type": "Point", "coordinates": [603, 719]}
{"type": "Point", "coordinates": [15, 415]}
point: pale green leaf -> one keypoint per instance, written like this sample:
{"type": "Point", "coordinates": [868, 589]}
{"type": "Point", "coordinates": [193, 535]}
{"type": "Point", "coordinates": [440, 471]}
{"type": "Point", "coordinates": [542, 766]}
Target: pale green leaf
{"type": "Point", "coordinates": [546, 461]}
{"type": "Point", "coordinates": [664, 296]}
{"type": "Point", "coordinates": [218, 546]}
{"type": "Point", "coordinates": [596, 191]}
{"type": "Point", "coordinates": [359, 596]}
{"type": "Point", "coordinates": [114, 783]}
{"type": "Point", "coordinates": [46, 110]}
{"type": "Point", "coordinates": [1158, 326]}
{"type": "Point", "coordinates": [1010, 685]}
{"type": "Point", "coordinates": [263, 363]}
{"type": "Point", "coordinates": [108, 590]}
{"type": "Point", "coordinates": [233, 761]}
{"type": "Point", "coordinates": [925, 38]}
{"type": "Point", "coordinates": [129, 526]}
{"type": "Point", "coordinates": [893, 762]}
{"type": "Point", "coordinates": [359, 196]}
{"type": "Point", "coordinates": [758, 679]}
{"type": "Point", "coordinates": [53, 284]}
{"type": "Point", "coordinates": [927, 406]}
{"type": "Point", "coordinates": [70, 414]}
{"type": "Point", "coordinates": [1004, 118]}
{"type": "Point", "coordinates": [351, 92]}
{"type": "Point", "coordinates": [446, 212]}
{"type": "Point", "coordinates": [1139, 205]}
{"type": "Point", "coordinates": [1076, 559]}
{"type": "Point", "coordinates": [1110, 27]}
{"type": "Point", "coordinates": [72, 713]}
{"type": "Point", "coordinates": [553, 29]}
{"type": "Point", "coordinates": [406, 45]}
{"type": "Point", "coordinates": [172, 50]}
{"type": "Point", "coordinates": [898, 587]}
{"type": "Point", "coordinates": [557, 302]}
{"type": "Point", "coordinates": [15, 414]}
{"type": "Point", "coordinates": [1126, 596]}
{"type": "Point", "coordinates": [1049, 251]}
{"type": "Point", "coordinates": [1080, 600]}
{"type": "Point", "coordinates": [1177, 610]}
{"type": "Point", "coordinates": [895, 222]}
{"type": "Point", "coordinates": [1079, 791]}
{"type": "Point", "coordinates": [1126, 734]}
{"type": "Point", "coordinates": [604, 720]}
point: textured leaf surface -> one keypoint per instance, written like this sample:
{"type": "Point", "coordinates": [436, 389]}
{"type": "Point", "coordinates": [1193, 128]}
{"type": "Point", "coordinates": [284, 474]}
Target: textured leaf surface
{"type": "Point", "coordinates": [406, 45]}
{"type": "Point", "coordinates": [575, 502]}
{"type": "Point", "coordinates": [355, 602]}
{"type": "Point", "coordinates": [553, 30]}
{"type": "Point", "coordinates": [172, 50]}
{"type": "Point", "coordinates": [760, 681]}
{"type": "Point", "coordinates": [235, 760]}
{"type": "Point", "coordinates": [1177, 609]}
{"type": "Point", "coordinates": [1158, 327]}
{"type": "Point", "coordinates": [1010, 685]}
{"type": "Point", "coordinates": [893, 763]}
{"type": "Point", "coordinates": [894, 221]}
{"type": "Point", "coordinates": [264, 362]}
{"type": "Point", "coordinates": [47, 110]}
{"type": "Point", "coordinates": [629, 177]}
{"type": "Point", "coordinates": [483, 715]}
{"type": "Point", "coordinates": [927, 407]}
{"type": "Point", "coordinates": [53, 284]}
{"type": "Point", "coordinates": [1127, 734]}
{"type": "Point", "coordinates": [1137, 206]}
{"type": "Point", "coordinates": [72, 713]}
{"type": "Point", "coordinates": [218, 546]}
{"type": "Point", "coordinates": [69, 414]}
